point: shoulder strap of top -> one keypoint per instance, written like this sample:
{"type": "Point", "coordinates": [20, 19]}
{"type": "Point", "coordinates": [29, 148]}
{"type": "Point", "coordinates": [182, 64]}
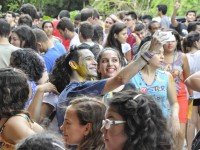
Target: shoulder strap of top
{"type": "Point", "coordinates": [26, 117]}
{"type": "Point", "coordinates": [1, 129]}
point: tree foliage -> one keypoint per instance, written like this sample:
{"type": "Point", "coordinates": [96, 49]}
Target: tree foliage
{"type": "Point", "coordinates": [53, 7]}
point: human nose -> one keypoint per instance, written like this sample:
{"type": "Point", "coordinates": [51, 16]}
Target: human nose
{"type": "Point", "coordinates": [103, 129]}
{"type": "Point", "coordinates": [162, 56]}
{"type": "Point", "coordinates": [94, 62]}
{"type": "Point", "coordinates": [61, 127]}
{"type": "Point", "coordinates": [11, 41]}
{"type": "Point", "coordinates": [110, 62]}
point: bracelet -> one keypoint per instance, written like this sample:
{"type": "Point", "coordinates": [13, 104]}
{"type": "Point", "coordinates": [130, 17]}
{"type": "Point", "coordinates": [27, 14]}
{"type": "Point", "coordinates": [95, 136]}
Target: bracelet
{"type": "Point", "coordinates": [148, 55]}
{"type": "Point", "coordinates": [144, 59]}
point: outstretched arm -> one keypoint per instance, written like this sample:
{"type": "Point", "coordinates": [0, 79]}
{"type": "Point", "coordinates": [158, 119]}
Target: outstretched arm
{"type": "Point", "coordinates": [134, 67]}
{"type": "Point", "coordinates": [173, 18]}
{"type": "Point", "coordinates": [193, 81]}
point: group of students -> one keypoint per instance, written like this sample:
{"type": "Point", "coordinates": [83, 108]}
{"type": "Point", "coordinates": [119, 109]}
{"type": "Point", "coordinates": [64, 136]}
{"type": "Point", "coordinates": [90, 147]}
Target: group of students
{"type": "Point", "coordinates": [127, 94]}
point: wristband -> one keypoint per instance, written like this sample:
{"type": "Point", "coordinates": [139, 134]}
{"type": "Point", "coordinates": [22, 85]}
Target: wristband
{"type": "Point", "coordinates": [147, 56]}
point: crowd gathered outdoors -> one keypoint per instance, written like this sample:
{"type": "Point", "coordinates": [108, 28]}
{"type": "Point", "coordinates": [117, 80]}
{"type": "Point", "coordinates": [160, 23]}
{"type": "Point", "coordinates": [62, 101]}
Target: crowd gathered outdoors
{"type": "Point", "coordinates": [126, 82]}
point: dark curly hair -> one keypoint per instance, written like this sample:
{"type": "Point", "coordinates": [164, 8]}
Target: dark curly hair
{"type": "Point", "coordinates": [62, 71]}
{"type": "Point", "coordinates": [60, 76]}
{"type": "Point", "coordinates": [41, 141]}
{"type": "Point", "coordinates": [28, 61]}
{"type": "Point", "coordinates": [14, 91]}
{"type": "Point", "coordinates": [146, 127]}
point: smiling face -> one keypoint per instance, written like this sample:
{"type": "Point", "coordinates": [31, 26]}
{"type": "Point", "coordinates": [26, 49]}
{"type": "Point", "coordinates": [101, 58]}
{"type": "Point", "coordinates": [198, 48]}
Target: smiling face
{"type": "Point", "coordinates": [87, 65]}
{"type": "Point", "coordinates": [109, 64]}
{"type": "Point", "coordinates": [191, 16]}
{"type": "Point", "coordinates": [114, 137]}
{"type": "Point", "coordinates": [72, 130]}
{"type": "Point", "coordinates": [122, 36]}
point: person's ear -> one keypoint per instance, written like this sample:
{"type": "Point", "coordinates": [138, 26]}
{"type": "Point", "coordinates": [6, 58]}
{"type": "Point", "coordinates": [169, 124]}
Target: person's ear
{"type": "Point", "coordinates": [39, 46]}
{"type": "Point", "coordinates": [87, 128]}
{"type": "Point", "coordinates": [66, 30]}
{"type": "Point", "coordinates": [73, 65]}
{"type": "Point", "coordinates": [115, 35]}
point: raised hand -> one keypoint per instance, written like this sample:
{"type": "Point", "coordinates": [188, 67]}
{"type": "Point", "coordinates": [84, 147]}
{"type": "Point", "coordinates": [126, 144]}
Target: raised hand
{"type": "Point", "coordinates": [177, 5]}
{"type": "Point", "coordinates": [47, 87]}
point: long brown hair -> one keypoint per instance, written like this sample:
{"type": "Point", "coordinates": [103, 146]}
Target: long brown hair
{"type": "Point", "coordinates": [90, 110]}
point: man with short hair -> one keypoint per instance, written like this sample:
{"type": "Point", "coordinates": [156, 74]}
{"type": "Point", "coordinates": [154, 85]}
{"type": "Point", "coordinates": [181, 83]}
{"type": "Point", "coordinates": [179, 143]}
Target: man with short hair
{"type": "Point", "coordinates": [5, 47]}
{"type": "Point", "coordinates": [130, 20]}
{"type": "Point", "coordinates": [62, 14]}
{"type": "Point", "coordinates": [81, 65]}
{"type": "Point", "coordinates": [51, 50]}
{"type": "Point", "coordinates": [10, 18]}
{"type": "Point", "coordinates": [146, 19]}
{"type": "Point", "coordinates": [86, 32]}
{"type": "Point", "coordinates": [181, 28]}
{"type": "Point", "coordinates": [153, 27]}
{"type": "Point", "coordinates": [66, 29]}
{"type": "Point", "coordinates": [165, 20]}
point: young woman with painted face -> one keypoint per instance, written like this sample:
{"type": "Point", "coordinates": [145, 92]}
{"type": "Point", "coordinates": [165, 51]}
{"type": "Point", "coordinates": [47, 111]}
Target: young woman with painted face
{"type": "Point", "coordinates": [133, 121]}
{"type": "Point", "coordinates": [176, 63]}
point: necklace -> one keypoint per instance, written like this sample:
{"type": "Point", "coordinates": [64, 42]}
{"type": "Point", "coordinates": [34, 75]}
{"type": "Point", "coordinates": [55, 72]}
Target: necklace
{"type": "Point", "coordinates": [155, 78]}
{"type": "Point", "coordinates": [172, 64]}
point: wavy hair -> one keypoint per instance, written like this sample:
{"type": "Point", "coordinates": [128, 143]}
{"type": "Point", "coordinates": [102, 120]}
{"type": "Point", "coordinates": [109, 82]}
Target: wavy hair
{"type": "Point", "coordinates": [146, 127]}
{"type": "Point", "coordinates": [62, 71]}
{"type": "Point", "coordinates": [90, 110]}
{"type": "Point", "coordinates": [60, 75]}
{"type": "Point", "coordinates": [28, 61]}
{"type": "Point", "coordinates": [14, 91]}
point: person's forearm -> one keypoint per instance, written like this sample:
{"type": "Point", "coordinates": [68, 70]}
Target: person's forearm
{"type": "Point", "coordinates": [193, 83]}
{"type": "Point", "coordinates": [124, 75]}
{"type": "Point", "coordinates": [35, 107]}
{"type": "Point", "coordinates": [130, 70]}
{"type": "Point", "coordinates": [173, 19]}
{"type": "Point", "coordinates": [175, 110]}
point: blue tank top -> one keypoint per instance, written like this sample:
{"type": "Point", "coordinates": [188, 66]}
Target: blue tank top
{"type": "Point", "coordinates": [158, 89]}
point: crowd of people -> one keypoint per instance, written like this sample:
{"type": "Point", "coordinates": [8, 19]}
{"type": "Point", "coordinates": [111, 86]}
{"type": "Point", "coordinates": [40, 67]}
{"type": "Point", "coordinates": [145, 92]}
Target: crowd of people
{"type": "Point", "coordinates": [129, 82]}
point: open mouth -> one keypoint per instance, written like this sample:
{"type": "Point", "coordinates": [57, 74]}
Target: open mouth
{"type": "Point", "coordinates": [110, 70]}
